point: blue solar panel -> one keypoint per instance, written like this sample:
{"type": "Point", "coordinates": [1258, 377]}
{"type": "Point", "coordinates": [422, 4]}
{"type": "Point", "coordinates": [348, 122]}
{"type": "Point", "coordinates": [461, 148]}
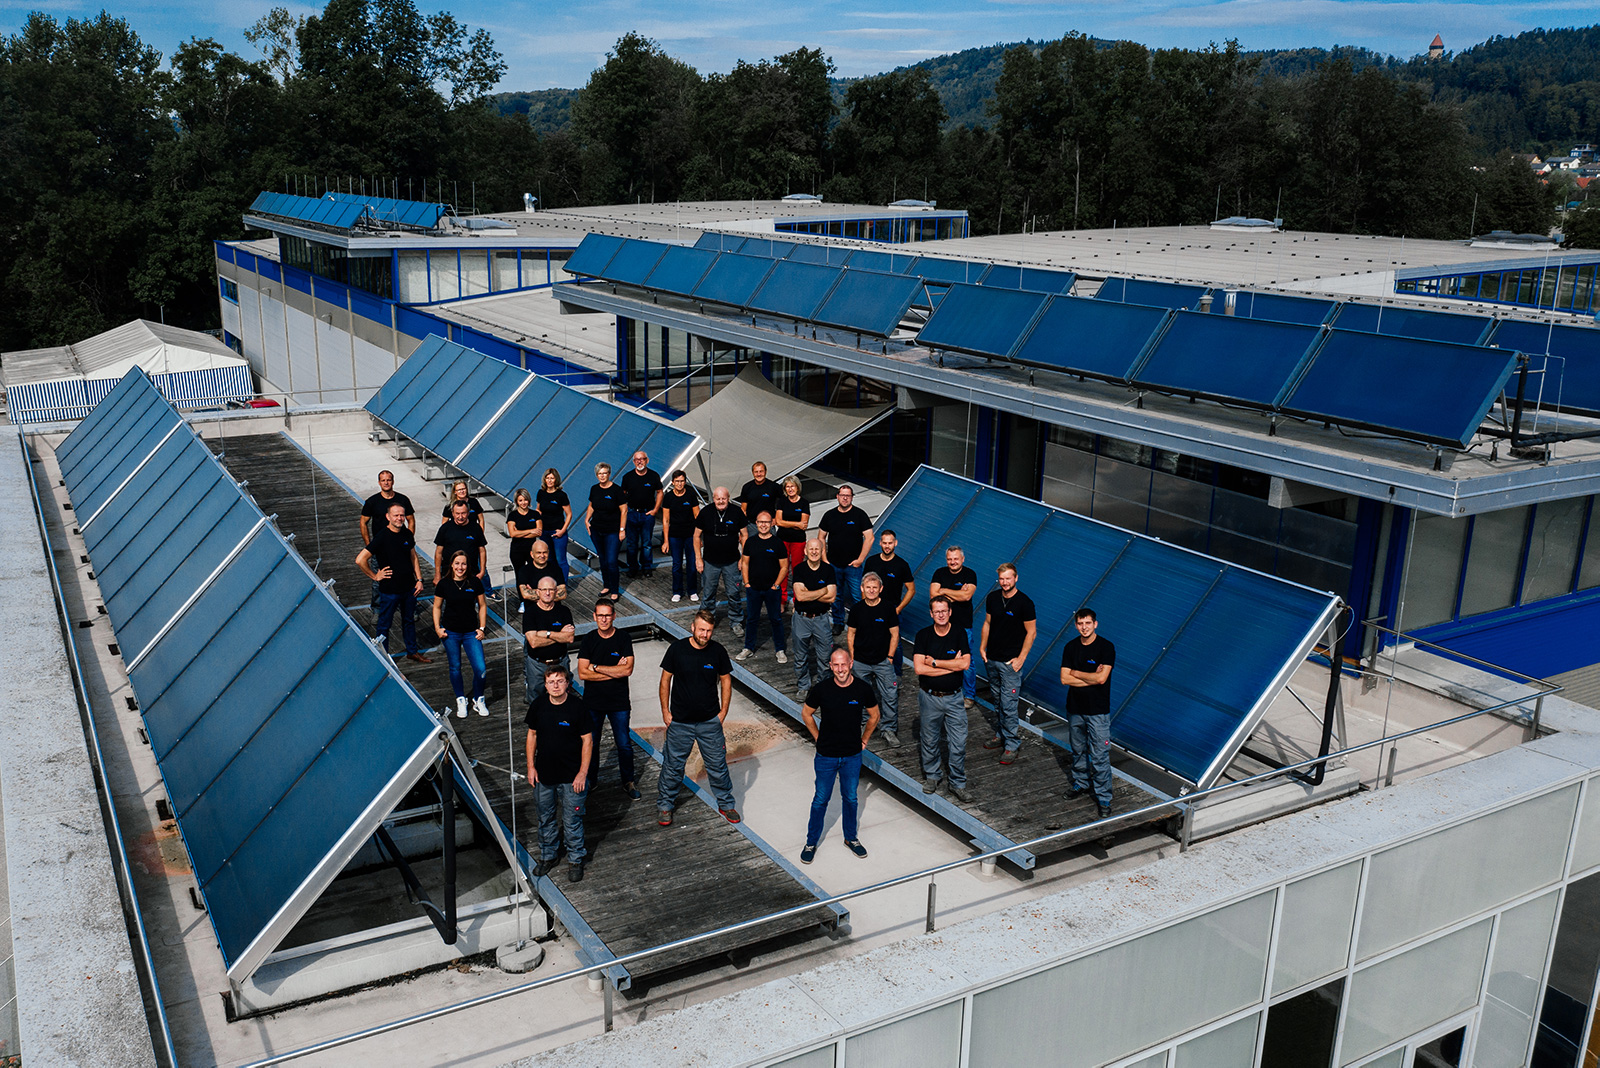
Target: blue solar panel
{"type": "Point", "coordinates": [100, 424]}
{"type": "Point", "coordinates": [974, 319]}
{"type": "Point", "coordinates": [1281, 309]}
{"type": "Point", "coordinates": [767, 247]}
{"type": "Point", "coordinates": [632, 263]}
{"type": "Point", "coordinates": [1155, 294]}
{"type": "Point", "coordinates": [486, 390]}
{"type": "Point", "coordinates": [1038, 279]}
{"type": "Point", "coordinates": [827, 255]}
{"type": "Point", "coordinates": [421, 399]}
{"type": "Point", "coordinates": [948, 272]}
{"type": "Point", "coordinates": [1181, 698]}
{"type": "Point", "coordinates": [276, 724]}
{"type": "Point", "coordinates": [425, 360]}
{"type": "Point", "coordinates": [1569, 356]}
{"type": "Point", "coordinates": [794, 289]}
{"type": "Point", "coordinates": [592, 255]}
{"type": "Point", "coordinates": [681, 269]}
{"type": "Point", "coordinates": [1413, 322]}
{"type": "Point", "coordinates": [1225, 358]}
{"type": "Point", "coordinates": [887, 262]}
{"type": "Point", "coordinates": [1424, 389]}
{"type": "Point", "coordinates": [867, 301]}
{"type": "Point", "coordinates": [732, 279]}
{"type": "Point", "coordinates": [1085, 337]}
{"type": "Point", "coordinates": [719, 242]}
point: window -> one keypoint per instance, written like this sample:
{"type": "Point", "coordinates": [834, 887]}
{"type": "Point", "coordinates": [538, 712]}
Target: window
{"type": "Point", "coordinates": [230, 290]}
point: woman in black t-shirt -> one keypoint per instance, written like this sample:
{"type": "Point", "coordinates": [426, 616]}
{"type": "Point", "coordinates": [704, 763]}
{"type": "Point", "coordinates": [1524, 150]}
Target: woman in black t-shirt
{"type": "Point", "coordinates": [679, 507]}
{"type": "Point", "coordinates": [460, 615]}
{"type": "Point", "coordinates": [555, 516]}
{"type": "Point", "coordinates": [459, 491]}
{"type": "Point", "coordinates": [524, 527]}
{"type": "Point", "coordinates": [793, 520]}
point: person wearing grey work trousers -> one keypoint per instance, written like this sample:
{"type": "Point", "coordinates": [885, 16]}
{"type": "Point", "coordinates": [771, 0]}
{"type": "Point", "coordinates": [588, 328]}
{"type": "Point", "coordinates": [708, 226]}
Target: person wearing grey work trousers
{"type": "Point", "coordinates": [872, 636]}
{"type": "Point", "coordinates": [941, 657]}
{"type": "Point", "coordinates": [1009, 626]}
{"type": "Point", "coordinates": [696, 686]}
{"type": "Point", "coordinates": [815, 585]}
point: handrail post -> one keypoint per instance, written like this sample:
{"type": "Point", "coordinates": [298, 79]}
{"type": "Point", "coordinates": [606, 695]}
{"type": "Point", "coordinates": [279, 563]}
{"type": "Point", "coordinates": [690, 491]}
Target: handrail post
{"type": "Point", "coordinates": [933, 894]}
{"type": "Point", "coordinates": [1538, 712]}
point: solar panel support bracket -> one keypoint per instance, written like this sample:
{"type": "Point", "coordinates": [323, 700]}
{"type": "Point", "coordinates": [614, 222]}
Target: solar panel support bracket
{"type": "Point", "coordinates": [443, 919]}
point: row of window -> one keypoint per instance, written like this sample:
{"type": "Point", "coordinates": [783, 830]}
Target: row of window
{"type": "Point", "coordinates": [1485, 563]}
{"type": "Point", "coordinates": [432, 275]}
{"type": "Point", "coordinates": [895, 230]}
{"type": "Point", "coordinates": [1561, 288]}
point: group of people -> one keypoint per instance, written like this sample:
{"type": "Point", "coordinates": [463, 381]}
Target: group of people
{"type": "Point", "coordinates": [759, 551]}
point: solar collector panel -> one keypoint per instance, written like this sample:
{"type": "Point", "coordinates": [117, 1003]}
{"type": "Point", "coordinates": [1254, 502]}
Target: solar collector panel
{"type": "Point", "coordinates": [1085, 337]}
{"type": "Point", "coordinates": [592, 255]}
{"type": "Point", "coordinates": [732, 279]}
{"type": "Point", "coordinates": [795, 290]}
{"type": "Point", "coordinates": [632, 263]}
{"type": "Point", "coordinates": [680, 269]}
{"type": "Point", "coordinates": [1236, 360]}
{"type": "Point", "coordinates": [868, 301]}
{"type": "Point", "coordinates": [986, 322]}
{"type": "Point", "coordinates": [1153, 294]}
{"type": "Point", "coordinates": [1413, 323]}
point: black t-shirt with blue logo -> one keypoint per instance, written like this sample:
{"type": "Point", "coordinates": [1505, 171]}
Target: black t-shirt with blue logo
{"type": "Point", "coordinates": [841, 712]}
{"type": "Point", "coordinates": [1089, 700]}
{"type": "Point", "coordinates": [1007, 619]}
{"type": "Point", "coordinates": [558, 737]}
{"type": "Point", "coordinates": [767, 558]}
{"type": "Point", "coordinates": [696, 679]}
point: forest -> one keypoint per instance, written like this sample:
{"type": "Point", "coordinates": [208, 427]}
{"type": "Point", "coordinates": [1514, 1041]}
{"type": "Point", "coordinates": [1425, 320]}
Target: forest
{"type": "Point", "coordinates": [121, 165]}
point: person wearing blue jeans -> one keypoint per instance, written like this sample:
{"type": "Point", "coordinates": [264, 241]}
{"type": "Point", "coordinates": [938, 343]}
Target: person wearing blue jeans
{"type": "Point", "coordinates": [560, 755]}
{"type": "Point", "coordinates": [1086, 672]}
{"type": "Point", "coordinates": [390, 559]}
{"type": "Point", "coordinates": [460, 616]}
{"type": "Point", "coordinates": [941, 655]}
{"type": "Point", "coordinates": [846, 535]}
{"type": "Point", "coordinates": [605, 661]}
{"type": "Point", "coordinates": [606, 517]}
{"type": "Point", "coordinates": [644, 489]}
{"type": "Point", "coordinates": [680, 504]}
{"type": "Point", "coordinates": [815, 586]}
{"type": "Point", "coordinates": [848, 709]}
{"type": "Point", "coordinates": [718, 539]}
{"type": "Point", "coordinates": [762, 567]}
{"type": "Point", "coordinates": [696, 686]}
{"type": "Point", "coordinates": [555, 519]}
{"type": "Point", "coordinates": [1009, 626]}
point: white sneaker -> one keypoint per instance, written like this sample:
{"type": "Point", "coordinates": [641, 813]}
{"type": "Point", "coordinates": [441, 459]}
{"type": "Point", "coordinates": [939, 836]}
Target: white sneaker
{"type": "Point", "coordinates": [745, 654]}
{"type": "Point", "coordinates": [677, 597]}
{"type": "Point", "coordinates": [781, 658]}
{"type": "Point", "coordinates": [461, 708]}
{"type": "Point", "coordinates": [482, 707]}
{"type": "Point", "coordinates": [694, 597]}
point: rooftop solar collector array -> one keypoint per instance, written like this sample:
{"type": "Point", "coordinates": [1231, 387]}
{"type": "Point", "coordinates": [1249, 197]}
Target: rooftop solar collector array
{"type": "Point", "coordinates": [505, 427]}
{"type": "Point", "coordinates": [1203, 646]}
{"type": "Point", "coordinates": [280, 731]}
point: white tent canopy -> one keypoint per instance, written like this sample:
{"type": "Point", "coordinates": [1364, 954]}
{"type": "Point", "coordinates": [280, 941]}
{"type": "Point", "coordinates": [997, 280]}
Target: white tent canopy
{"type": "Point", "coordinates": [750, 419]}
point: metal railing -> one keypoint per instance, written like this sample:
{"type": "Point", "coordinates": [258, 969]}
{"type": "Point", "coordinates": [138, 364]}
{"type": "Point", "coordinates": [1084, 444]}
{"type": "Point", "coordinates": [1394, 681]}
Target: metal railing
{"type": "Point", "coordinates": [119, 855]}
{"type": "Point", "coordinates": [1144, 814]}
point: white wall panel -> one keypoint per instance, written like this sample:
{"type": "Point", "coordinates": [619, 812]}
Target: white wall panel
{"type": "Point", "coordinates": [1233, 1046]}
{"type": "Point", "coordinates": [303, 380]}
{"type": "Point", "coordinates": [1586, 842]}
{"type": "Point", "coordinates": [275, 345]}
{"type": "Point", "coordinates": [1314, 933]}
{"type": "Point", "coordinates": [929, 1039]}
{"type": "Point", "coordinates": [1129, 997]}
{"type": "Point", "coordinates": [335, 365]}
{"type": "Point", "coordinates": [374, 365]}
{"type": "Point", "coordinates": [1428, 884]}
{"type": "Point", "coordinates": [1414, 990]}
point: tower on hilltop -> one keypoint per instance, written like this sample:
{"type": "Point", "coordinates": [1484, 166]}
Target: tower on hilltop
{"type": "Point", "coordinates": [1436, 49]}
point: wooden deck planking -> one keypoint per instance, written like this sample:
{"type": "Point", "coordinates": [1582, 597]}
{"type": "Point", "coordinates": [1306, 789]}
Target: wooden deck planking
{"type": "Point", "coordinates": [647, 885]}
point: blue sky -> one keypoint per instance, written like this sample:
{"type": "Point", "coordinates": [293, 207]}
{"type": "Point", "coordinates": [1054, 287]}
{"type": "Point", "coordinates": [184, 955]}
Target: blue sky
{"type": "Point", "coordinates": [548, 45]}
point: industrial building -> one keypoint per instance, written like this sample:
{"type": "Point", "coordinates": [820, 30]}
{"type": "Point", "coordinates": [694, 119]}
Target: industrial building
{"type": "Point", "coordinates": [1322, 511]}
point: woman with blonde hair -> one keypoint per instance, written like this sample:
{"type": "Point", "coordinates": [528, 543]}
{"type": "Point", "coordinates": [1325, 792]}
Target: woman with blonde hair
{"type": "Point", "coordinates": [460, 491]}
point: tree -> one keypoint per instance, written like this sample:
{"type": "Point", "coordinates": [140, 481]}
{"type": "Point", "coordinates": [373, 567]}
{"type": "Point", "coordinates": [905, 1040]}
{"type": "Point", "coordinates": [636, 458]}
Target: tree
{"type": "Point", "coordinates": [890, 140]}
{"type": "Point", "coordinates": [636, 116]}
{"type": "Point", "coordinates": [1511, 197]}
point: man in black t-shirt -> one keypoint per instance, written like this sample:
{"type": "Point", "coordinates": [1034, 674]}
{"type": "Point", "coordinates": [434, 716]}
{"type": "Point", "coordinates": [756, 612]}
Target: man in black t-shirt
{"type": "Point", "coordinates": [1086, 672]}
{"type": "Point", "coordinates": [548, 631]}
{"type": "Point", "coordinates": [1009, 628]}
{"type": "Point", "coordinates": [849, 712]}
{"type": "Point", "coordinates": [605, 660]}
{"type": "Point", "coordinates": [390, 561]}
{"type": "Point", "coordinates": [758, 495]}
{"type": "Point", "coordinates": [375, 513]}
{"type": "Point", "coordinates": [606, 521]}
{"type": "Point", "coordinates": [815, 586]}
{"type": "Point", "coordinates": [958, 583]}
{"type": "Point", "coordinates": [696, 686]}
{"type": "Point", "coordinates": [560, 757]}
{"type": "Point", "coordinates": [718, 540]}
{"type": "Point", "coordinates": [872, 636]}
{"type": "Point", "coordinates": [899, 584]}
{"type": "Point", "coordinates": [643, 488]}
{"type": "Point", "coordinates": [461, 534]}
{"type": "Point", "coordinates": [846, 535]}
{"type": "Point", "coordinates": [941, 657]}
{"type": "Point", "coordinates": [762, 569]}
{"type": "Point", "coordinates": [539, 566]}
